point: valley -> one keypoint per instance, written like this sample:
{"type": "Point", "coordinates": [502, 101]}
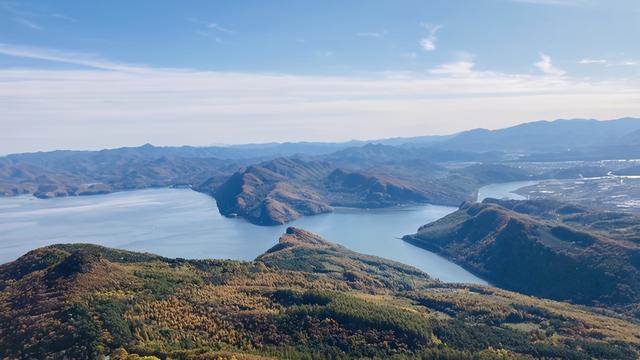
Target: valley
{"type": "Point", "coordinates": [520, 252]}
{"type": "Point", "coordinates": [320, 180]}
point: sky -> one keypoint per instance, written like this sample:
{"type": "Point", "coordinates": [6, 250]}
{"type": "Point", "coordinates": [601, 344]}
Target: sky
{"type": "Point", "coordinates": [101, 74]}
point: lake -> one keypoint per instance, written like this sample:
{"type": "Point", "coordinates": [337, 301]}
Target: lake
{"type": "Point", "coordinates": [504, 190]}
{"type": "Point", "coordinates": [185, 223]}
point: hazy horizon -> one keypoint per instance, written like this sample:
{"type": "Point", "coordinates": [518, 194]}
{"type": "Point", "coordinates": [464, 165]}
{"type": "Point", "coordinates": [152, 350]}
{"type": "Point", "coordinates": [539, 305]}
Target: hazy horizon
{"type": "Point", "coordinates": [298, 141]}
{"type": "Point", "coordinates": [80, 76]}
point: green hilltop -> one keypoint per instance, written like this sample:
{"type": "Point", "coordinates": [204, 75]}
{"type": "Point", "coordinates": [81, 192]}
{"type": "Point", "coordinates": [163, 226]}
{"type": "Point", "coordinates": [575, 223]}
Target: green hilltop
{"type": "Point", "coordinates": [305, 298]}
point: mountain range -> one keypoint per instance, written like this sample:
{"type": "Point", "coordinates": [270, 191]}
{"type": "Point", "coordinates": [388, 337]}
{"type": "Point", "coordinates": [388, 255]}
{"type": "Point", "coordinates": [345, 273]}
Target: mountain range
{"type": "Point", "coordinates": [276, 183]}
{"type": "Point", "coordinates": [549, 137]}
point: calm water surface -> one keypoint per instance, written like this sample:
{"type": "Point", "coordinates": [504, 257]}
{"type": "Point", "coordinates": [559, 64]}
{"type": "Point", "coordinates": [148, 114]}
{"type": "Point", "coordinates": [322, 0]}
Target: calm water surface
{"type": "Point", "coordinates": [185, 223]}
{"type": "Point", "coordinates": [504, 190]}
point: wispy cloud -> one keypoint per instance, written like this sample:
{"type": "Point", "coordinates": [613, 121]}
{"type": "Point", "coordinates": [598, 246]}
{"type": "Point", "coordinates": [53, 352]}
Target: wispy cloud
{"type": "Point", "coordinates": [428, 43]}
{"type": "Point", "coordinates": [28, 23]}
{"type": "Point", "coordinates": [30, 16]}
{"type": "Point", "coordinates": [210, 35]}
{"type": "Point", "coordinates": [323, 53]}
{"type": "Point", "coordinates": [182, 106]}
{"type": "Point", "coordinates": [546, 66]}
{"type": "Point", "coordinates": [209, 25]}
{"type": "Point", "coordinates": [212, 30]}
{"type": "Point", "coordinates": [555, 2]}
{"type": "Point", "coordinates": [219, 28]}
{"type": "Point", "coordinates": [82, 59]}
{"type": "Point", "coordinates": [371, 34]}
{"type": "Point", "coordinates": [409, 55]}
{"type": "Point", "coordinates": [64, 17]}
{"type": "Point", "coordinates": [588, 61]}
{"type": "Point", "coordinates": [609, 62]}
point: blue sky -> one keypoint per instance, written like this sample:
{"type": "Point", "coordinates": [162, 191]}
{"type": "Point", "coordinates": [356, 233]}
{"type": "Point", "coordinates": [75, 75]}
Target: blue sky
{"type": "Point", "coordinates": [203, 72]}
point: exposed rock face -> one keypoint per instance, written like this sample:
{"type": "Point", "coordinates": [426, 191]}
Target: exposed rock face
{"type": "Point", "coordinates": [544, 248]}
{"type": "Point", "coordinates": [299, 237]}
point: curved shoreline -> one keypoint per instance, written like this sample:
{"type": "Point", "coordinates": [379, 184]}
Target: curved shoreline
{"type": "Point", "coordinates": [185, 223]}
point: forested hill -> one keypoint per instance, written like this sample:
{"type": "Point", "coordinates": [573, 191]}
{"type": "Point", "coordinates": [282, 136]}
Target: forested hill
{"type": "Point", "coordinates": [283, 189]}
{"type": "Point", "coordinates": [305, 298]}
{"type": "Point", "coordinates": [544, 248]}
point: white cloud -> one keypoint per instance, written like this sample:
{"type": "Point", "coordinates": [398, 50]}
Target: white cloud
{"type": "Point", "coordinates": [64, 17]}
{"type": "Point", "coordinates": [458, 68]}
{"type": "Point", "coordinates": [610, 63]}
{"type": "Point", "coordinates": [109, 104]}
{"type": "Point", "coordinates": [592, 61]}
{"type": "Point", "coordinates": [371, 34]}
{"type": "Point", "coordinates": [428, 43]}
{"type": "Point", "coordinates": [219, 28]}
{"type": "Point", "coordinates": [546, 66]}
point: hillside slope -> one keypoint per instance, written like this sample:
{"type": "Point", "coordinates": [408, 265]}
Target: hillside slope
{"type": "Point", "coordinates": [304, 299]}
{"type": "Point", "coordinates": [544, 248]}
{"type": "Point", "coordinates": [283, 189]}
{"type": "Point", "coordinates": [69, 173]}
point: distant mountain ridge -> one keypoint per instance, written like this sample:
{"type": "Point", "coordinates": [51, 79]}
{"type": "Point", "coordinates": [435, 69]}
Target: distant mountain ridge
{"type": "Point", "coordinates": [556, 136]}
{"type": "Point", "coordinates": [420, 162]}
